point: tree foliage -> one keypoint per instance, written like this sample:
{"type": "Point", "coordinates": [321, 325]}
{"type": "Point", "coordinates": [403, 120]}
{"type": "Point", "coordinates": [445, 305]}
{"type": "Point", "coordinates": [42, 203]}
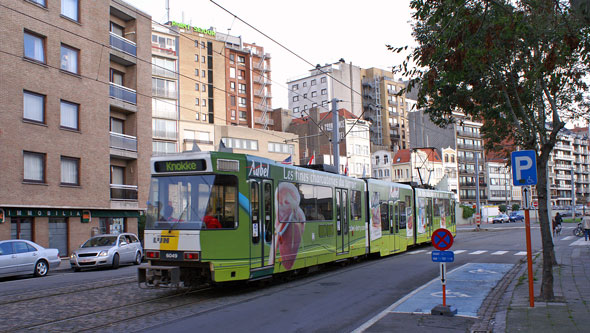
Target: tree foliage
{"type": "Point", "coordinates": [518, 66]}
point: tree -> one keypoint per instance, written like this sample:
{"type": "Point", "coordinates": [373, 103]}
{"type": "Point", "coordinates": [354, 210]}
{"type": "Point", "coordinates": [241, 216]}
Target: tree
{"type": "Point", "coordinates": [503, 208]}
{"type": "Point", "coordinates": [515, 207]}
{"type": "Point", "coordinates": [516, 65]}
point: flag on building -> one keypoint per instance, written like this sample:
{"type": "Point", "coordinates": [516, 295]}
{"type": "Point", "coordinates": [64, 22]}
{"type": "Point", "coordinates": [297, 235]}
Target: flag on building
{"type": "Point", "coordinates": [288, 160]}
{"type": "Point", "coordinates": [311, 160]}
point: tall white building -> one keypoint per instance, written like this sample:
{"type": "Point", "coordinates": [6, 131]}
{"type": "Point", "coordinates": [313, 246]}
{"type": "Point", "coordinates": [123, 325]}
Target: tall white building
{"type": "Point", "coordinates": [324, 83]}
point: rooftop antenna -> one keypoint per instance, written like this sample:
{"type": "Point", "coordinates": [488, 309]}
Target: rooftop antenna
{"type": "Point", "coordinates": [167, 10]}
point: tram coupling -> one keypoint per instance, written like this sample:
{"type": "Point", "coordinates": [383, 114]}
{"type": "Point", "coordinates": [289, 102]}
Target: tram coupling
{"type": "Point", "coordinates": [150, 276]}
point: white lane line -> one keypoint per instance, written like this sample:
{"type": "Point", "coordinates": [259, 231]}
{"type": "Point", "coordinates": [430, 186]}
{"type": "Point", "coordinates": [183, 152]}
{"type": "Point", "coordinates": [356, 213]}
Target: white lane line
{"type": "Point", "coordinates": [479, 252]}
{"type": "Point", "coordinates": [417, 251]}
{"type": "Point", "coordinates": [392, 307]}
{"type": "Point", "coordinates": [580, 242]}
{"type": "Point", "coordinates": [521, 253]}
{"type": "Point", "coordinates": [567, 237]}
{"type": "Point", "coordinates": [459, 251]}
{"type": "Point", "coordinates": [499, 253]}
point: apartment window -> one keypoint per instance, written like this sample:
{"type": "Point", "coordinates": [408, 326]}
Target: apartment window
{"type": "Point", "coordinates": [117, 125]}
{"type": "Point", "coordinates": [197, 116]}
{"type": "Point", "coordinates": [232, 73]}
{"type": "Point", "coordinates": [69, 59]}
{"type": "Point", "coordinates": [274, 147]}
{"type": "Point", "coordinates": [197, 101]}
{"type": "Point", "coordinates": [304, 95]}
{"type": "Point", "coordinates": [70, 9]}
{"type": "Point", "coordinates": [296, 109]}
{"type": "Point", "coordinates": [305, 107]}
{"type": "Point", "coordinates": [232, 86]}
{"type": "Point", "coordinates": [39, 2]}
{"type": "Point", "coordinates": [241, 60]}
{"type": "Point", "coordinates": [295, 98]}
{"type": "Point", "coordinates": [116, 77]}
{"type": "Point", "coordinates": [323, 79]}
{"type": "Point", "coordinates": [232, 100]}
{"type": "Point", "coordinates": [204, 102]}
{"type": "Point", "coordinates": [241, 88]}
{"type": "Point", "coordinates": [313, 105]}
{"type": "Point", "coordinates": [324, 103]}
{"type": "Point", "coordinates": [313, 82]}
{"type": "Point", "coordinates": [196, 72]}
{"type": "Point", "coordinates": [165, 129]}
{"type": "Point", "coordinates": [34, 107]}
{"type": "Point", "coordinates": [34, 47]}
{"type": "Point", "coordinates": [203, 87]}
{"type": "Point", "coordinates": [324, 91]}
{"type": "Point", "coordinates": [242, 102]}
{"type": "Point", "coordinates": [196, 57]}
{"type": "Point", "coordinates": [314, 93]}
{"type": "Point", "coordinates": [232, 58]}
{"type": "Point", "coordinates": [203, 45]}
{"type": "Point", "coordinates": [203, 59]}
{"type": "Point", "coordinates": [240, 143]}
{"type": "Point", "coordinates": [241, 74]}
{"type": "Point", "coordinates": [295, 87]}
{"type": "Point", "coordinates": [197, 87]}
{"type": "Point", "coordinates": [233, 114]}
{"type": "Point", "coordinates": [34, 167]}
{"type": "Point", "coordinates": [203, 74]}
{"type": "Point", "coordinates": [119, 30]}
{"type": "Point", "coordinates": [69, 115]}
{"type": "Point", "coordinates": [305, 84]}
{"type": "Point", "coordinates": [242, 115]}
{"type": "Point", "coordinates": [70, 171]}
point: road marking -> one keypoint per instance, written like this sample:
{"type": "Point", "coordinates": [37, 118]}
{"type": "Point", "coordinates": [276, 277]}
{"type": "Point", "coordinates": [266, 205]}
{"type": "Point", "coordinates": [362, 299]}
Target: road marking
{"type": "Point", "coordinates": [567, 237]}
{"type": "Point", "coordinates": [580, 242]}
{"type": "Point", "coordinates": [479, 252]}
{"type": "Point", "coordinates": [417, 251]}
{"type": "Point", "coordinates": [499, 253]}
{"type": "Point", "coordinates": [521, 253]}
{"type": "Point", "coordinates": [449, 293]}
{"type": "Point", "coordinates": [459, 251]}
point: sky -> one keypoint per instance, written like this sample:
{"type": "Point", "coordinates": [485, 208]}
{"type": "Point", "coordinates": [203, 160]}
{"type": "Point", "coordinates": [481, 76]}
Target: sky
{"type": "Point", "coordinates": [320, 32]}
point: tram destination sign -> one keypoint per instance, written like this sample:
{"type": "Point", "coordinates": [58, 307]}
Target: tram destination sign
{"type": "Point", "coordinates": [180, 166]}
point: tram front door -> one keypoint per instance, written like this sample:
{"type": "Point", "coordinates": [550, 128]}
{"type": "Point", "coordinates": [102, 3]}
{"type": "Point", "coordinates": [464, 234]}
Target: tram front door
{"type": "Point", "coordinates": [262, 217]}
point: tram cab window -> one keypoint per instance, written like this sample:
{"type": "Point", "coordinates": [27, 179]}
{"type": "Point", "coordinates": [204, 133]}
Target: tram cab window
{"type": "Point", "coordinates": [182, 202]}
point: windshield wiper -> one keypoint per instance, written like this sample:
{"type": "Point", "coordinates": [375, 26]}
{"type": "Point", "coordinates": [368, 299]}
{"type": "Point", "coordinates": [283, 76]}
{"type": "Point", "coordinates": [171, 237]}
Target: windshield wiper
{"type": "Point", "coordinates": [179, 218]}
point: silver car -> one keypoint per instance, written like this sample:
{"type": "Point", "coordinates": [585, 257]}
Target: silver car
{"type": "Point", "coordinates": [21, 257]}
{"type": "Point", "coordinates": [107, 250]}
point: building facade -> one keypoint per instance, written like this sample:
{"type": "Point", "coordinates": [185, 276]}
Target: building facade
{"type": "Point", "coordinates": [385, 109]}
{"type": "Point", "coordinates": [339, 80]}
{"type": "Point", "coordinates": [79, 79]}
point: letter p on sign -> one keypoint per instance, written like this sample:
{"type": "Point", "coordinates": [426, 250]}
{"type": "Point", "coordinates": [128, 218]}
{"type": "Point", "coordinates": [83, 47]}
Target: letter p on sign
{"type": "Point", "coordinates": [524, 167]}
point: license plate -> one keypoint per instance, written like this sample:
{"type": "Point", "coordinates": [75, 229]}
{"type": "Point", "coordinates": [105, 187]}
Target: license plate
{"type": "Point", "coordinates": [171, 255]}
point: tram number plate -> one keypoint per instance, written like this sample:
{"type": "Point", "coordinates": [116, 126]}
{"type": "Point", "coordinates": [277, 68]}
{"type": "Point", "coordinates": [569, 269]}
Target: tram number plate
{"type": "Point", "coordinates": [171, 255]}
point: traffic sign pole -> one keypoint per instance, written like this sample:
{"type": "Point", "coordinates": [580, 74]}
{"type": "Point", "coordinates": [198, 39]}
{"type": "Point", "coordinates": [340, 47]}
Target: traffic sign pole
{"type": "Point", "coordinates": [529, 257]}
{"type": "Point", "coordinates": [443, 270]}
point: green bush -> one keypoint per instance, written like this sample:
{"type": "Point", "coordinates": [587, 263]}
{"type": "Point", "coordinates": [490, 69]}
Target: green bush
{"type": "Point", "coordinates": [503, 208]}
{"type": "Point", "coordinates": [467, 212]}
{"type": "Point", "coordinates": [515, 207]}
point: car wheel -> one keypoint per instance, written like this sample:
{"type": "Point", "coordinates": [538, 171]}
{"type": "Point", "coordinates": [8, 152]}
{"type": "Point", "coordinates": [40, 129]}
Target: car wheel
{"type": "Point", "coordinates": [41, 268]}
{"type": "Point", "coordinates": [137, 259]}
{"type": "Point", "coordinates": [116, 261]}
{"type": "Point", "coordinates": [76, 269]}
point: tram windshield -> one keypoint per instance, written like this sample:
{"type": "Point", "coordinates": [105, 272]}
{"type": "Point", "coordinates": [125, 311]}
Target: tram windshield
{"type": "Point", "coordinates": [192, 202]}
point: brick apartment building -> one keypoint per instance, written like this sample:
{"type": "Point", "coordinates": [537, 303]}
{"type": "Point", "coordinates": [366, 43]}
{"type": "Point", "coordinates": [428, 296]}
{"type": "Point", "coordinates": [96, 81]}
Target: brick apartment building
{"type": "Point", "coordinates": [75, 119]}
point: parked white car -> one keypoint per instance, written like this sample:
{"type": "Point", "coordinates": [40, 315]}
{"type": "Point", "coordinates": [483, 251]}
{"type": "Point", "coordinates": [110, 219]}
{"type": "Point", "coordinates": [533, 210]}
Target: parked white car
{"type": "Point", "coordinates": [107, 250]}
{"type": "Point", "coordinates": [22, 257]}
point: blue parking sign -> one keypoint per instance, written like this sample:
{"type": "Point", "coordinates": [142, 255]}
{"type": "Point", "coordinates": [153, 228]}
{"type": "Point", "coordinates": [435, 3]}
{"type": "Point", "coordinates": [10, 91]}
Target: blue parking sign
{"type": "Point", "coordinates": [524, 167]}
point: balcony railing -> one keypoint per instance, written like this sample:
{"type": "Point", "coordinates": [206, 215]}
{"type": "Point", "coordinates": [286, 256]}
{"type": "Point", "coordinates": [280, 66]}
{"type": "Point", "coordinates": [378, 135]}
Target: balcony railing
{"type": "Point", "coordinates": [263, 121]}
{"type": "Point", "coordinates": [159, 71]}
{"type": "Point", "coordinates": [165, 93]}
{"type": "Point", "coordinates": [163, 51]}
{"type": "Point", "coordinates": [123, 192]}
{"type": "Point", "coordinates": [469, 134]}
{"type": "Point", "coordinates": [122, 141]}
{"type": "Point", "coordinates": [123, 44]}
{"type": "Point", "coordinates": [123, 93]}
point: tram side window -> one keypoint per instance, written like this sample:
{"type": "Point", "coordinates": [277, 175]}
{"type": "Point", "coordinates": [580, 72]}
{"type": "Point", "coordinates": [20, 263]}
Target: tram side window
{"type": "Point", "coordinates": [402, 215]}
{"type": "Point", "coordinates": [438, 208]}
{"type": "Point", "coordinates": [304, 202]}
{"type": "Point", "coordinates": [384, 216]}
{"type": "Point", "coordinates": [355, 205]}
{"type": "Point", "coordinates": [223, 199]}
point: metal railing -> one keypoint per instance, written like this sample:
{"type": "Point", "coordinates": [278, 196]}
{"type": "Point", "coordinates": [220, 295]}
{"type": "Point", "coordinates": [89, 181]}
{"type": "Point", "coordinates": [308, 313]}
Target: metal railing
{"type": "Point", "coordinates": [123, 44]}
{"type": "Point", "coordinates": [122, 141]}
{"type": "Point", "coordinates": [264, 121]}
{"type": "Point", "coordinates": [123, 93]}
{"type": "Point", "coordinates": [163, 51]}
{"type": "Point", "coordinates": [159, 71]}
{"type": "Point", "coordinates": [161, 92]}
{"type": "Point", "coordinates": [123, 192]}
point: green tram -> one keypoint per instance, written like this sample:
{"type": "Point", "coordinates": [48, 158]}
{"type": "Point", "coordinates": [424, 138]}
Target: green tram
{"type": "Point", "coordinates": [219, 217]}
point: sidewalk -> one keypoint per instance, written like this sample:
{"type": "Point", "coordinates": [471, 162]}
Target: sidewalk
{"type": "Point", "coordinates": [570, 310]}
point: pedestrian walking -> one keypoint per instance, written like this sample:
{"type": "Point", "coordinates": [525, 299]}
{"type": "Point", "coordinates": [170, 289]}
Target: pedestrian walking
{"type": "Point", "coordinates": [586, 224]}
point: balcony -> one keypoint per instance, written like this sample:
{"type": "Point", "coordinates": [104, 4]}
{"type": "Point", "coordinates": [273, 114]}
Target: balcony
{"type": "Point", "coordinates": [565, 177]}
{"type": "Point", "coordinates": [469, 134]}
{"type": "Point", "coordinates": [162, 51]}
{"type": "Point", "coordinates": [123, 146]}
{"type": "Point", "coordinates": [123, 51]}
{"type": "Point", "coordinates": [562, 166]}
{"type": "Point", "coordinates": [262, 80]}
{"type": "Point", "coordinates": [564, 157]}
{"type": "Point", "coordinates": [264, 121]}
{"type": "Point", "coordinates": [262, 107]}
{"type": "Point", "coordinates": [123, 98]}
{"type": "Point", "coordinates": [123, 192]}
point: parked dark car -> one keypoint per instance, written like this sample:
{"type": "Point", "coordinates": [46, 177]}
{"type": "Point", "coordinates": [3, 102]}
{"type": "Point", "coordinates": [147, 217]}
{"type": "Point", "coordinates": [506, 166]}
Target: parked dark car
{"type": "Point", "coordinates": [516, 217]}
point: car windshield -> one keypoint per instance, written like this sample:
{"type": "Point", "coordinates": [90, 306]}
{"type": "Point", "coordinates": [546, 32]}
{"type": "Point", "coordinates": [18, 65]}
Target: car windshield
{"type": "Point", "coordinates": [101, 241]}
{"type": "Point", "coordinates": [182, 202]}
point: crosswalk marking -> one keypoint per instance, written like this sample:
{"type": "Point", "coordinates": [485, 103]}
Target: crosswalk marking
{"type": "Point", "coordinates": [499, 253]}
{"type": "Point", "coordinates": [567, 237]}
{"type": "Point", "coordinates": [521, 253]}
{"type": "Point", "coordinates": [459, 251]}
{"type": "Point", "coordinates": [479, 252]}
{"type": "Point", "coordinates": [417, 251]}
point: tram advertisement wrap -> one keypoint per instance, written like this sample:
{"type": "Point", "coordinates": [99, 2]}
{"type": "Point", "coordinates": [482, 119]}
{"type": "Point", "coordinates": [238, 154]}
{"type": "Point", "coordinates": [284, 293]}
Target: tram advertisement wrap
{"type": "Point", "coordinates": [288, 235]}
{"type": "Point", "coordinates": [375, 216]}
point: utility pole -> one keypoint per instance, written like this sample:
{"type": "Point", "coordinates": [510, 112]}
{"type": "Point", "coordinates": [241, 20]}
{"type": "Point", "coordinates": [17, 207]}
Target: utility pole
{"type": "Point", "coordinates": [477, 206]}
{"type": "Point", "coordinates": [335, 135]}
{"type": "Point", "coordinates": [573, 195]}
